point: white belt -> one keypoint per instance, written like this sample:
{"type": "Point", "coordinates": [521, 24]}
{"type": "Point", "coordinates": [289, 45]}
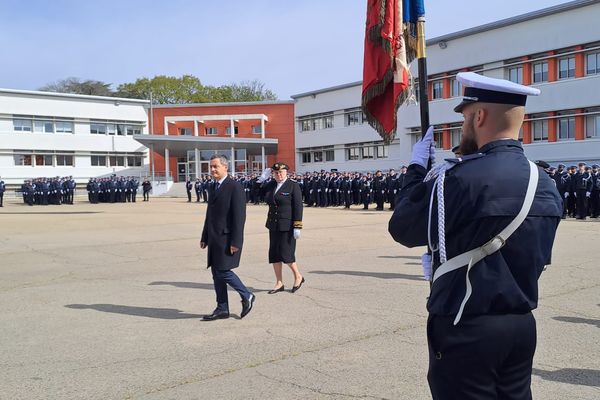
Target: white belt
{"type": "Point", "coordinates": [472, 257]}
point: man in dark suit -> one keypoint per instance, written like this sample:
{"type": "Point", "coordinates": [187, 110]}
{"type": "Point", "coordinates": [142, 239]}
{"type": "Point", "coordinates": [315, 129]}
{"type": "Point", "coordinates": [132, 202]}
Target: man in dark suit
{"type": "Point", "coordinates": [223, 234]}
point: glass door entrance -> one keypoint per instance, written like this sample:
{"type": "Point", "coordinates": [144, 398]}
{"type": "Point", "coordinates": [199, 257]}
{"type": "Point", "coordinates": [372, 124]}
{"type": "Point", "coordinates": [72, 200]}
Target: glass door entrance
{"type": "Point", "coordinates": [182, 171]}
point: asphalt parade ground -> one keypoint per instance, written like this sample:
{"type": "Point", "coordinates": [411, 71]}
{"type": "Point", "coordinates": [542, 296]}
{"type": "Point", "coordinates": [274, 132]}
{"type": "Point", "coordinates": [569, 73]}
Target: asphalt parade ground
{"type": "Point", "coordinates": [104, 302]}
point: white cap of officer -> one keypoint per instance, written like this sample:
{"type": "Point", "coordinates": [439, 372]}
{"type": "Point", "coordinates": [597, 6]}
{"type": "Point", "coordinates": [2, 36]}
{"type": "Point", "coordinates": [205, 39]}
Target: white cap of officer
{"type": "Point", "coordinates": [483, 89]}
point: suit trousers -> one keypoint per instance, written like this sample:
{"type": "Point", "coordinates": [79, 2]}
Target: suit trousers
{"type": "Point", "coordinates": [484, 357]}
{"type": "Point", "coordinates": [221, 279]}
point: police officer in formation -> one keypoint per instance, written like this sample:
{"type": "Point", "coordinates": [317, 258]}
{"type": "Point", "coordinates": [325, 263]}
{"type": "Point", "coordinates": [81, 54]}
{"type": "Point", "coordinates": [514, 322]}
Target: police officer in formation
{"type": "Point", "coordinates": [2, 189]}
{"type": "Point", "coordinates": [490, 244]}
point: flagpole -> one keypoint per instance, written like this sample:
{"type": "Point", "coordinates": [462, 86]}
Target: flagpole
{"type": "Point", "coordinates": [423, 89]}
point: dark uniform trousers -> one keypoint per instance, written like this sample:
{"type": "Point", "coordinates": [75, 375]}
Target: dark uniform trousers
{"type": "Point", "coordinates": [485, 357]}
{"type": "Point", "coordinates": [221, 279]}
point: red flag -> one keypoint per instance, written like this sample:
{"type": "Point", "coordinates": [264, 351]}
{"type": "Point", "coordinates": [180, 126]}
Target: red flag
{"type": "Point", "coordinates": [386, 78]}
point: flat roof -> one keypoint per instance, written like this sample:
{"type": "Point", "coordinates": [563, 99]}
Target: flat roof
{"type": "Point", "coordinates": [475, 30]}
{"type": "Point", "coordinates": [73, 96]}
{"type": "Point", "coordinates": [239, 103]}
{"type": "Point", "coordinates": [179, 145]}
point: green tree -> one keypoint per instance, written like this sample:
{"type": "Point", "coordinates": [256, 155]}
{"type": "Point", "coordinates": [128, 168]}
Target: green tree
{"type": "Point", "coordinates": [77, 86]}
{"type": "Point", "coordinates": [189, 89]}
{"type": "Point", "coordinates": [165, 89]}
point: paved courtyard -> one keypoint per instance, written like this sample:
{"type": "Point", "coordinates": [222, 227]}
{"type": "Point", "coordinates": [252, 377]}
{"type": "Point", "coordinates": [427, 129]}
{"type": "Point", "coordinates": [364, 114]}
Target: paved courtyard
{"type": "Point", "coordinates": [103, 302]}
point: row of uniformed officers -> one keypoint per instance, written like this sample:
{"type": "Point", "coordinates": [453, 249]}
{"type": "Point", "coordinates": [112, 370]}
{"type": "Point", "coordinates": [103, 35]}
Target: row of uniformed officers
{"type": "Point", "coordinates": [324, 189]}
{"type": "Point", "coordinates": [116, 189]}
{"type": "Point", "coordinates": [579, 187]}
{"type": "Point", "coordinates": [47, 191]}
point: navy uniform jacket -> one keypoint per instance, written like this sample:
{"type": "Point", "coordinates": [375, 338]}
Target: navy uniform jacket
{"type": "Point", "coordinates": [285, 206]}
{"type": "Point", "coordinates": [482, 196]}
{"type": "Point", "coordinates": [224, 224]}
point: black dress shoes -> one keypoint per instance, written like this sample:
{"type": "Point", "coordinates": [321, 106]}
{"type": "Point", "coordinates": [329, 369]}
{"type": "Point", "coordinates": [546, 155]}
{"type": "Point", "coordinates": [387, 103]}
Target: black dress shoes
{"type": "Point", "coordinates": [247, 305]}
{"type": "Point", "coordinates": [279, 289]}
{"type": "Point", "coordinates": [295, 288]}
{"type": "Point", "coordinates": [216, 315]}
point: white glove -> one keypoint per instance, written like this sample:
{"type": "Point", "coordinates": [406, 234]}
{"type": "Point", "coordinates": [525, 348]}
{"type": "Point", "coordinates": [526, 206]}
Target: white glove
{"type": "Point", "coordinates": [587, 194]}
{"type": "Point", "coordinates": [575, 194]}
{"type": "Point", "coordinates": [266, 174]}
{"type": "Point", "coordinates": [424, 149]}
{"type": "Point", "coordinates": [566, 195]}
{"type": "Point", "coordinates": [426, 260]}
{"type": "Point", "coordinates": [296, 234]}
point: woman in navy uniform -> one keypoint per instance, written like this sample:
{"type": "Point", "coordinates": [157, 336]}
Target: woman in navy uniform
{"type": "Point", "coordinates": [491, 230]}
{"type": "Point", "coordinates": [284, 222]}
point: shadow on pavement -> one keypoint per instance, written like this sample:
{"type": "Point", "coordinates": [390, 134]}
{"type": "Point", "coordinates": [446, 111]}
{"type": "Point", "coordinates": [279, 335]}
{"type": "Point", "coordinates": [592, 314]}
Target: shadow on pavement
{"type": "Point", "coordinates": [380, 275]}
{"type": "Point", "coordinates": [197, 285]}
{"type": "Point", "coordinates": [406, 257]}
{"type": "Point", "coordinates": [574, 376]}
{"type": "Point", "coordinates": [160, 313]}
{"type": "Point", "coordinates": [577, 320]}
{"type": "Point", "coordinates": [52, 212]}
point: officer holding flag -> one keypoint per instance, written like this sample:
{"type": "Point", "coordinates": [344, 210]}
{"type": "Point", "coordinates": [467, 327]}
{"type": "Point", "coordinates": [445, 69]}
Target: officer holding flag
{"type": "Point", "coordinates": [489, 244]}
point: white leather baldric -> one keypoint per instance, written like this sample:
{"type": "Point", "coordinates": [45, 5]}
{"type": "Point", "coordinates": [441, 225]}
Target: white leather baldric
{"type": "Point", "coordinates": [472, 257]}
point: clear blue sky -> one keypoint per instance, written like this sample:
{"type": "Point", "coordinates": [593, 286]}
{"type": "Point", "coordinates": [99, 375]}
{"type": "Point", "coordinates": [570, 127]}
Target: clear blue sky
{"type": "Point", "coordinates": [292, 46]}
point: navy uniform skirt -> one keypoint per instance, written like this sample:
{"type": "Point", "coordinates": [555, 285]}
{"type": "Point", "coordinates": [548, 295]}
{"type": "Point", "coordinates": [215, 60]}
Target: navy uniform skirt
{"type": "Point", "coordinates": [282, 247]}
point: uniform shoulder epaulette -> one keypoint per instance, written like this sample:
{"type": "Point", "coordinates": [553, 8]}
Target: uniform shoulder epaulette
{"type": "Point", "coordinates": [463, 159]}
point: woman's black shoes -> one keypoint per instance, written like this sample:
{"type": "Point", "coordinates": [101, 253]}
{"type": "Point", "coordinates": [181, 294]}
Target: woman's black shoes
{"type": "Point", "coordinates": [279, 289]}
{"type": "Point", "coordinates": [295, 288]}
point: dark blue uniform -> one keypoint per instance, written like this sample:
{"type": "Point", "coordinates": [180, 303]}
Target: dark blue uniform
{"type": "Point", "coordinates": [489, 352]}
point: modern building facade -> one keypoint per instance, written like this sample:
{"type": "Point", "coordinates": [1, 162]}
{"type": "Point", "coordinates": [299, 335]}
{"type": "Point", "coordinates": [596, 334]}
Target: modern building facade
{"type": "Point", "coordinates": [556, 49]}
{"type": "Point", "coordinates": [46, 134]}
{"type": "Point", "coordinates": [252, 135]}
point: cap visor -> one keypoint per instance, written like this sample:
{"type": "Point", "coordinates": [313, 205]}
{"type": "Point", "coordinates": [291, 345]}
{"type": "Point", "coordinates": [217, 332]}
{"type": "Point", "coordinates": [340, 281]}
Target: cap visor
{"type": "Point", "coordinates": [463, 104]}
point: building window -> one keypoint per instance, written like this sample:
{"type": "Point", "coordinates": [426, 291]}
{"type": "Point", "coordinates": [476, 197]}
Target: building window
{"type": "Point", "coordinates": [455, 136]}
{"type": "Point", "coordinates": [305, 158]}
{"type": "Point", "coordinates": [64, 127]}
{"type": "Point", "coordinates": [210, 130]}
{"type": "Point", "coordinates": [22, 125]}
{"type": "Point", "coordinates": [117, 161]}
{"type": "Point", "coordinates": [256, 129]}
{"type": "Point", "coordinates": [566, 128]}
{"type": "Point", "coordinates": [111, 129]}
{"type": "Point", "coordinates": [305, 125]}
{"type": "Point", "coordinates": [592, 126]}
{"type": "Point", "coordinates": [43, 126]}
{"type": "Point", "coordinates": [438, 89]}
{"type": "Point", "coordinates": [592, 61]}
{"type": "Point", "coordinates": [540, 72]}
{"type": "Point", "coordinates": [134, 161]}
{"type": "Point", "coordinates": [455, 88]}
{"type": "Point", "coordinates": [317, 156]}
{"type": "Point", "coordinates": [416, 89]}
{"type": "Point", "coordinates": [43, 160]}
{"type": "Point", "coordinates": [228, 130]}
{"type": "Point", "coordinates": [133, 130]}
{"type": "Point", "coordinates": [23, 160]}
{"type": "Point", "coordinates": [437, 138]}
{"type": "Point", "coordinates": [368, 152]}
{"type": "Point", "coordinates": [328, 122]}
{"type": "Point", "coordinates": [329, 155]}
{"type": "Point", "coordinates": [354, 118]}
{"type": "Point", "coordinates": [98, 129]}
{"type": "Point", "coordinates": [539, 129]}
{"type": "Point", "coordinates": [382, 151]}
{"type": "Point", "coordinates": [352, 154]}
{"type": "Point", "coordinates": [64, 160]}
{"type": "Point", "coordinates": [566, 67]}
{"type": "Point", "coordinates": [98, 161]}
{"type": "Point", "coordinates": [515, 74]}
{"type": "Point", "coordinates": [185, 131]}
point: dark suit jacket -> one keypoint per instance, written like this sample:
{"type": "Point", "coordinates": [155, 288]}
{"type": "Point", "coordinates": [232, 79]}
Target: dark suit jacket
{"type": "Point", "coordinates": [285, 206]}
{"type": "Point", "coordinates": [224, 224]}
